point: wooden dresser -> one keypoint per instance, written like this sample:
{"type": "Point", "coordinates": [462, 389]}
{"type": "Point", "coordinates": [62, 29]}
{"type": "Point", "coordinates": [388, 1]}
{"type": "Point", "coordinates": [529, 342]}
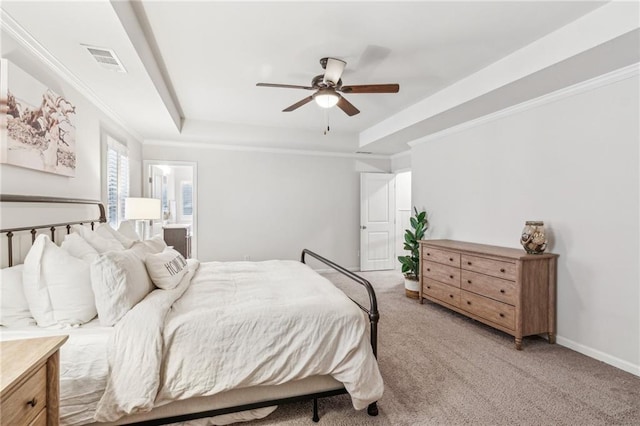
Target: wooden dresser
{"type": "Point", "coordinates": [505, 288]}
{"type": "Point", "coordinates": [179, 237]}
{"type": "Point", "coordinates": [29, 381]}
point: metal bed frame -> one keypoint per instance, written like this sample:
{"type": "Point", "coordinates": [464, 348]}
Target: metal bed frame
{"type": "Point", "coordinates": [371, 311]}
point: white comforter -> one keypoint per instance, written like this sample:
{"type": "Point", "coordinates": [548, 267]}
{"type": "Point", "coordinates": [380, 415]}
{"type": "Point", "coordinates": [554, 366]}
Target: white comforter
{"type": "Point", "coordinates": [233, 325]}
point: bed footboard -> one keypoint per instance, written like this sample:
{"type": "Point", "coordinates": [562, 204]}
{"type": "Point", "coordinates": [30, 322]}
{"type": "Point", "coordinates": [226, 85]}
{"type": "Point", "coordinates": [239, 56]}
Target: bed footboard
{"type": "Point", "coordinates": [372, 311]}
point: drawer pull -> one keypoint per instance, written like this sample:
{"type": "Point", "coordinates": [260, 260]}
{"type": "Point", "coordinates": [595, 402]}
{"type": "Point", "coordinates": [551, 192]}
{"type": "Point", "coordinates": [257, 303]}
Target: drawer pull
{"type": "Point", "coordinates": [451, 259]}
{"type": "Point", "coordinates": [428, 254]}
{"type": "Point", "coordinates": [501, 315]}
{"type": "Point", "coordinates": [33, 402]}
{"type": "Point", "coordinates": [428, 269]}
{"type": "Point", "coordinates": [501, 269]}
{"type": "Point", "coordinates": [428, 286]}
{"type": "Point", "coordinates": [451, 296]}
{"type": "Point", "coordinates": [468, 263]}
{"type": "Point", "coordinates": [469, 281]}
{"type": "Point", "coordinates": [468, 302]}
{"type": "Point", "coordinates": [451, 276]}
{"type": "Point", "coordinates": [502, 291]}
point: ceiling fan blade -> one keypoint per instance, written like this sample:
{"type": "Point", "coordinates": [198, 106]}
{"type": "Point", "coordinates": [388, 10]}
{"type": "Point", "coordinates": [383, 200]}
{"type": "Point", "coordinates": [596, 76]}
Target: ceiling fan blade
{"type": "Point", "coordinates": [333, 71]}
{"type": "Point", "coordinates": [298, 104]}
{"type": "Point", "coordinates": [347, 107]}
{"type": "Point", "coordinates": [285, 86]}
{"type": "Point", "coordinates": [371, 88]}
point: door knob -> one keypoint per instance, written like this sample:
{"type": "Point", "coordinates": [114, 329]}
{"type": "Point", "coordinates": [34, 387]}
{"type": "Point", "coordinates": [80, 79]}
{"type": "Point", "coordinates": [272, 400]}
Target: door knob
{"type": "Point", "coordinates": [363, 227]}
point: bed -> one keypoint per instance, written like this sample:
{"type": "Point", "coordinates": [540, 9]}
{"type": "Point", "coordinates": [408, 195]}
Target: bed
{"type": "Point", "coordinates": [309, 340]}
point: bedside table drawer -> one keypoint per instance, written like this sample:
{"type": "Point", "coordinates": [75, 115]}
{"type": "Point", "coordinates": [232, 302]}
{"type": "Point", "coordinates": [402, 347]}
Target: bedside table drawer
{"type": "Point", "coordinates": [26, 402]}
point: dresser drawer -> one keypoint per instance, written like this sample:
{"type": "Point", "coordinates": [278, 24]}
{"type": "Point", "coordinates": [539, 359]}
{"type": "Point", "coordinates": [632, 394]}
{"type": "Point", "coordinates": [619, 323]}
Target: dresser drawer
{"type": "Point", "coordinates": [491, 267]}
{"type": "Point", "coordinates": [41, 418]}
{"type": "Point", "coordinates": [443, 273]}
{"type": "Point", "coordinates": [441, 256]}
{"type": "Point", "coordinates": [443, 292]}
{"type": "Point", "coordinates": [26, 402]}
{"type": "Point", "coordinates": [489, 309]}
{"type": "Point", "coordinates": [485, 285]}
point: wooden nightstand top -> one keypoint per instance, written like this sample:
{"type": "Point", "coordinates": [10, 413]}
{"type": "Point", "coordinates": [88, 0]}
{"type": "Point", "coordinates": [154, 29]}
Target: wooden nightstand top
{"type": "Point", "coordinates": [20, 357]}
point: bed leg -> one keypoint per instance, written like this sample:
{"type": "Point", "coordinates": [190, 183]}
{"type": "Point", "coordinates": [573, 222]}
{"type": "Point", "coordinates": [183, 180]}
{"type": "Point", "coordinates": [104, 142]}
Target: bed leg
{"type": "Point", "coordinates": [372, 409]}
{"type": "Point", "coordinates": [315, 417]}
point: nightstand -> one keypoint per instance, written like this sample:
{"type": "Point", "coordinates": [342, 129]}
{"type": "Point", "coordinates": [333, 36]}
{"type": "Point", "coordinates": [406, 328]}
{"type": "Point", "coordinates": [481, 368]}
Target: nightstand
{"type": "Point", "coordinates": [29, 381]}
{"type": "Point", "coordinates": [178, 236]}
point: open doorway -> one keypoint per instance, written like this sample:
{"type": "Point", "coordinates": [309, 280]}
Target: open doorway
{"type": "Point", "coordinates": [403, 211]}
{"type": "Point", "coordinates": [175, 184]}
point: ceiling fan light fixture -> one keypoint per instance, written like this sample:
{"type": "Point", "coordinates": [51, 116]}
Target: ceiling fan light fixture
{"type": "Point", "coordinates": [326, 98]}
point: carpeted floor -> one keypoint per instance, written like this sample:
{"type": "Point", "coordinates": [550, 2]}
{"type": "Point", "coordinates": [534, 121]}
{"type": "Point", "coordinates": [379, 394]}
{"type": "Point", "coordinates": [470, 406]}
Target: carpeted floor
{"type": "Point", "coordinates": [441, 368]}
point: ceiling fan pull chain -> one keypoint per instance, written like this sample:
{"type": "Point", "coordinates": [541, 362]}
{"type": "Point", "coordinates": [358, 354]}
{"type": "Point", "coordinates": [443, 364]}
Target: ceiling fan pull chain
{"type": "Point", "coordinates": [326, 113]}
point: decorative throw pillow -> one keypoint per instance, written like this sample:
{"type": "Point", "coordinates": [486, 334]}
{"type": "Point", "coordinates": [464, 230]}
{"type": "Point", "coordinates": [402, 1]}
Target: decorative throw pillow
{"type": "Point", "coordinates": [78, 247]}
{"type": "Point", "coordinates": [99, 242]}
{"type": "Point", "coordinates": [105, 230]}
{"type": "Point", "coordinates": [166, 269]}
{"type": "Point", "coordinates": [57, 285]}
{"type": "Point", "coordinates": [119, 280]}
{"type": "Point", "coordinates": [14, 309]}
{"type": "Point", "coordinates": [128, 229]}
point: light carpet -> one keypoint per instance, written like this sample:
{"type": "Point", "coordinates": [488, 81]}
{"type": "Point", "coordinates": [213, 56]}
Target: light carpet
{"type": "Point", "coordinates": [441, 368]}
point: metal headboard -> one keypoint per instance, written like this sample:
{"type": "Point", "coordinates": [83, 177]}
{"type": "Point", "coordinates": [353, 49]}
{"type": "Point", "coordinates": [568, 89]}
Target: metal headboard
{"type": "Point", "coordinates": [8, 198]}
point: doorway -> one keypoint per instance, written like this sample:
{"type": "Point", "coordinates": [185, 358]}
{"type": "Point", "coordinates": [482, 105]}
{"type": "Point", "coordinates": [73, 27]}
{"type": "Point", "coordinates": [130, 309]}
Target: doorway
{"type": "Point", "coordinates": [174, 183]}
{"type": "Point", "coordinates": [404, 210]}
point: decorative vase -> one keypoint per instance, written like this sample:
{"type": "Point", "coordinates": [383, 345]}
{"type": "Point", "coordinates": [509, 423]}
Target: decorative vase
{"type": "Point", "coordinates": [411, 288]}
{"type": "Point", "coordinates": [533, 237]}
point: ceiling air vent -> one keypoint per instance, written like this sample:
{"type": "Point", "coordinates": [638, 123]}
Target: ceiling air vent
{"type": "Point", "coordinates": [106, 58]}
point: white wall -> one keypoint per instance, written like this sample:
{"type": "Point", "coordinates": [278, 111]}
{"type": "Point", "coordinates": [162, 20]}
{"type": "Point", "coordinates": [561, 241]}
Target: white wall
{"type": "Point", "coordinates": [271, 205]}
{"type": "Point", "coordinates": [90, 122]}
{"type": "Point", "coordinates": [573, 163]}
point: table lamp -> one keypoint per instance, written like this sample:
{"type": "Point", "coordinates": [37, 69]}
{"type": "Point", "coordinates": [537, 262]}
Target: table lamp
{"type": "Point", "coordinates": [143, 211]}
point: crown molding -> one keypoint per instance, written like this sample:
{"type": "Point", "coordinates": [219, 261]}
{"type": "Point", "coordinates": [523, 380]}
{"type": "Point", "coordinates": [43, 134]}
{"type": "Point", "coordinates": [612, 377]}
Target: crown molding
{"type": "Point", "coordinates": [584, 86]}
{"type": "Point", "coordinates": [244, 148]}
{"type": "Point", "coordinates": [22, 36]}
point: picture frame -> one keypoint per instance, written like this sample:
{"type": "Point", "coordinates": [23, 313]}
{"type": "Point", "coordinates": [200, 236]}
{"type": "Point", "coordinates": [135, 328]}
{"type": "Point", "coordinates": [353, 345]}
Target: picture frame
{"type": "Point", "coordinates": [37, 129]}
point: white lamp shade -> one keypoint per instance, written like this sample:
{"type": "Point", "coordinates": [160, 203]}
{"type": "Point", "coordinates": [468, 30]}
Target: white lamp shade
{"type": "Point", "coordinates": [142, 208]}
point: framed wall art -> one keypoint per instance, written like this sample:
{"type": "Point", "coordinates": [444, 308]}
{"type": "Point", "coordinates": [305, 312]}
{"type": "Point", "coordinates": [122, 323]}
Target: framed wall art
{"type": "Point", "coordinates": [37, 128]}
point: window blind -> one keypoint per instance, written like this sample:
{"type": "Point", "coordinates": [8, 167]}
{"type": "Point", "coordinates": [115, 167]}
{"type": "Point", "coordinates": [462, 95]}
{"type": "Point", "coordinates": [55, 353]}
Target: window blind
{"type": "Point", "coordinates": [117, 180]}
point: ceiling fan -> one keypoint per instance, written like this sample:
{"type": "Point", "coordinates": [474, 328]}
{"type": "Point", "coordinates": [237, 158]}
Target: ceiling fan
{"type": "Point", "coordinates": [328, 87]}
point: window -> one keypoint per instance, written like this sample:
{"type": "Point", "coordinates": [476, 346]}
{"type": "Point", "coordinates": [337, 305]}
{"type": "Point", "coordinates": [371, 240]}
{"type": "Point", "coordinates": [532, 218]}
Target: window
{"type": "Point", "coordinates": [117, 180]}
{"type": "Point", "coordinates": [187, 198]}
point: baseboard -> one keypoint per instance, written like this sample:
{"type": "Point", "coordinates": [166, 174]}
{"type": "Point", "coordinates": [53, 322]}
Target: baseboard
{"type": "Point", "coordinates": [600, 356]}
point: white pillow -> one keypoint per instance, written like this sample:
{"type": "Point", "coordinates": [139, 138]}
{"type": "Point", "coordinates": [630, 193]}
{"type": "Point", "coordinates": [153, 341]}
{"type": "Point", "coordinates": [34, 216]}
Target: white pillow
{"type": "Point", "coordinates": [78, 247]}
{"type": "Point", "coordinates": [105, 230]}
{"type": "Point", "coordinates": [57, 285]}
{"type": "Point", "coordinates": [128, 229]}
{"type": "Point", "coordinates": [166, 269]}
{"type": "Point", "coordinates": [119, 280]}
{"type": "Point", "coordinates": [155, 244]}
{"type": "Point", "coordinates": [99, 242]}
{"type": "Point", "coordinates": [14, 309]}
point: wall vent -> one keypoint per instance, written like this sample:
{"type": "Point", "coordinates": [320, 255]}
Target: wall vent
{"type": "Point", "coordinates": [106, 58]}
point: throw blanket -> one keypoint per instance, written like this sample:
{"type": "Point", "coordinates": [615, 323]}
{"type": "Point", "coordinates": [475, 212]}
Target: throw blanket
{"type": "Point", "coordinates": [237, 324]}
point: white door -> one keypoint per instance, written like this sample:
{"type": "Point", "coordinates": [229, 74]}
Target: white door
{"type": "Point", "coordinates": [377, 221]}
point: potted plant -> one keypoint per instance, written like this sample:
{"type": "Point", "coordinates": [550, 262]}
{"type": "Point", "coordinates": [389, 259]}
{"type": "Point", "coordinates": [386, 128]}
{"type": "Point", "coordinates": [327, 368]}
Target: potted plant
{"type": "Point", "coordinates": [411, 263]}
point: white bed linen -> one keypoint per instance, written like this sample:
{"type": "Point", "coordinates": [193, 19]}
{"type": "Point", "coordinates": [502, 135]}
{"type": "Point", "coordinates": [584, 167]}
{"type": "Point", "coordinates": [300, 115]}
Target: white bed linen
{"type": "Point", "coordinates": [83, 366]}
{"type": "Point", "coordinates": [238, 324]}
